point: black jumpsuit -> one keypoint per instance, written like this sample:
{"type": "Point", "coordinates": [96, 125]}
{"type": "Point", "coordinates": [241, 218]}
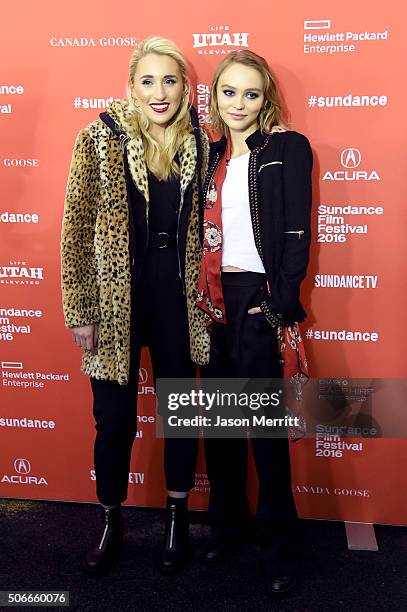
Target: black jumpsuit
{"type": "Point", "coordinates": [159, 321]}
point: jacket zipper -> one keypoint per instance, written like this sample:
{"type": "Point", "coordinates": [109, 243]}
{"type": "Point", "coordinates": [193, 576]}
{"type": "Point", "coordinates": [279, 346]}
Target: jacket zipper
{"type": "Point", "coordinates": [299, 232]}
{"type": "Point", "coordinates": [147, 225]}
{"type": "Point", "coordinates": [273, 163]}
{"type": "Point", "coordinates": [123, 139]}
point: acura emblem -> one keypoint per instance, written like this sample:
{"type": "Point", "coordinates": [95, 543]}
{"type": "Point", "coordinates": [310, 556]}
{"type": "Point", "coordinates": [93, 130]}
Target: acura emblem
{"type": "Point", "coordinates": [142, 376]}
{"type": "Point", "coordinates": [22, 466]}
{"type": "Point", "coordinates": [351, 158]}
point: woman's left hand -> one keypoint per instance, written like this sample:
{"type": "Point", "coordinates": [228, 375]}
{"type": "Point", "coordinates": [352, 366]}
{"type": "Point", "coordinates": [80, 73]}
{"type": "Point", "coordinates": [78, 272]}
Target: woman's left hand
{"type": "Point", "coordinates": [254, 310]}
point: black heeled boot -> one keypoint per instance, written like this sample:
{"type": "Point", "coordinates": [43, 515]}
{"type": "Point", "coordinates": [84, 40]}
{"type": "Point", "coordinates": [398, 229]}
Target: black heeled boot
{"type": "Point", "coordinates": [100, 557]}
{"type": "Point", "coordinates": [175, 554]}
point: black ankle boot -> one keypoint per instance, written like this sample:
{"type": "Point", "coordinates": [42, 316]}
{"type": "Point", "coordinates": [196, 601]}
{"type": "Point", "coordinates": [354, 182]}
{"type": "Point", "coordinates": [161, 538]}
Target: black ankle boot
{"type": "Point", "coordinates": [99, 558]}
{"type": "Point", "coordinates": [175, 554]}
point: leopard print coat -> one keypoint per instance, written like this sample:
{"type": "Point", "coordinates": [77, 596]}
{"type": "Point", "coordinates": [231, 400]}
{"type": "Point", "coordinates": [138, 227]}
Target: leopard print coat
{"type": "Point", "coordinates": [95, 257]}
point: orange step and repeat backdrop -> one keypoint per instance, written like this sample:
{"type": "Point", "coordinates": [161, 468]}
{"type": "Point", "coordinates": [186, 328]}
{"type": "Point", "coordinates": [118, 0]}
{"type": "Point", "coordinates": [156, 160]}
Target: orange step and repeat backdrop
{"type": "Point", "coordinates": [337, 65]}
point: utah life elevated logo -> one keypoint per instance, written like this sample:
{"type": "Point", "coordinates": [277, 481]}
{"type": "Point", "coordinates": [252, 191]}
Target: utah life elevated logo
{"type": "Point", "coordinates": [22, 467]}
{"type": "Point", "coordinates": [351, 159]}
{"type": "Point", "coordinates": [19, 273]}
{"type": "Point", "coordinates": [219, 40]}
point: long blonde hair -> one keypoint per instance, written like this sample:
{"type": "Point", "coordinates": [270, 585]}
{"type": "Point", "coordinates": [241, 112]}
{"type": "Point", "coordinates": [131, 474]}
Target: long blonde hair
{"type": "Point", "coordinates": [271, 115]}
{"type": "Point", "coordinates": [160, 158]}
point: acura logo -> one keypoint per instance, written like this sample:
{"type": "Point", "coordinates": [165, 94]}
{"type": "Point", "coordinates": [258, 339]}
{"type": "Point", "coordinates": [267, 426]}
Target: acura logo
{"type": "Point", "coordinates": [22, 466]}
{"type": "Point", "coordinates": [142, 376]}
{"type": "Point", "coordinates": [351, 158]}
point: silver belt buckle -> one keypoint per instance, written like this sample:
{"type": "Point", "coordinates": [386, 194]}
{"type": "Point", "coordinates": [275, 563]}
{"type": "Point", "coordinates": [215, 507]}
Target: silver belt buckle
{"type": "Point", "coordinates": [164, 244]}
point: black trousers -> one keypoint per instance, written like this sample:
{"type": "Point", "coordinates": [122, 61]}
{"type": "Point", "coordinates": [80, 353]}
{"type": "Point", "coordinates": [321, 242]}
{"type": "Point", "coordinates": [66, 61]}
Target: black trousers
{"type": "Point", "coordinates": [247, 347]}
{"type": "Point", "coordinates": [159, 321]}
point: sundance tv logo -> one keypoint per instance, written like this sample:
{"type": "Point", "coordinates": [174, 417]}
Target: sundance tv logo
{"type": "Point", "coordinates": [219, 40]}
{"type": "Point", "coordinates": [136, 478]}
{"type": "Point", "coordinates": [20, 273]}
{"type": "Point", "coordinates": [22, 468]}
{"type": "Point", "coordinates": [351, 159]}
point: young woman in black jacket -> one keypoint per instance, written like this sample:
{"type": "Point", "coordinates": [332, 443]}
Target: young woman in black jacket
{"type": "Point", "coordinates": [256, 244]}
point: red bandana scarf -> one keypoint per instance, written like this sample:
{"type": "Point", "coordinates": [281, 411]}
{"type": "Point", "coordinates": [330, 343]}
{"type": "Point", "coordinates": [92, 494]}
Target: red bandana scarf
{"type": "Point", "coordinates": [210, 294]}
{"type": "Point", "coordinates": [210, 299]}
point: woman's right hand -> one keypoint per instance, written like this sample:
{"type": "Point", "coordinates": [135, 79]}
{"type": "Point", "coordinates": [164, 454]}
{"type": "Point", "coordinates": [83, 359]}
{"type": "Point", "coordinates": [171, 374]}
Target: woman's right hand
{"type": "Point", "coordinates": [87, 337]}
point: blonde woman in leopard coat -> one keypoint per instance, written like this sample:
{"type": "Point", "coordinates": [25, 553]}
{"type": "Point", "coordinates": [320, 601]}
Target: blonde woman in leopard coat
{"type": "Point", "coordinates": [130, 265]}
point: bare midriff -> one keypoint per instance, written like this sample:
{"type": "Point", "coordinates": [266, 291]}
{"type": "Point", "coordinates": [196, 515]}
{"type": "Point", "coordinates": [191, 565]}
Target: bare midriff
{"type": "Point", "coordinates": [232, 269]}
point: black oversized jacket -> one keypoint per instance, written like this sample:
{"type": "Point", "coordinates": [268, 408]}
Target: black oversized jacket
{"type": "Point", "coordinates": [280, 205]}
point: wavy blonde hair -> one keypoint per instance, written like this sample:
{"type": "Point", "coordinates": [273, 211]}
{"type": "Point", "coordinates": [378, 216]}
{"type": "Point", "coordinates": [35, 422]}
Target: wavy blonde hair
{"type": "Point", "coordinates": [271, 114]}
{"type": "Point", "coordinates": [160, 158]}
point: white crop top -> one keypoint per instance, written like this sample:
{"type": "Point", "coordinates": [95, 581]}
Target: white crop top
{"type": "Point", "coordinates": [239, 248]}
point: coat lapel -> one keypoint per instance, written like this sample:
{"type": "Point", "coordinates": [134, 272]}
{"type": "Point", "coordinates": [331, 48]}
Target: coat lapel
{"type": "Point", "coordinates": [124, 118]}
{"type": "Point", "coordinates": [137, 166]}
{"type": "Point", "coordinates": [187, 161]}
